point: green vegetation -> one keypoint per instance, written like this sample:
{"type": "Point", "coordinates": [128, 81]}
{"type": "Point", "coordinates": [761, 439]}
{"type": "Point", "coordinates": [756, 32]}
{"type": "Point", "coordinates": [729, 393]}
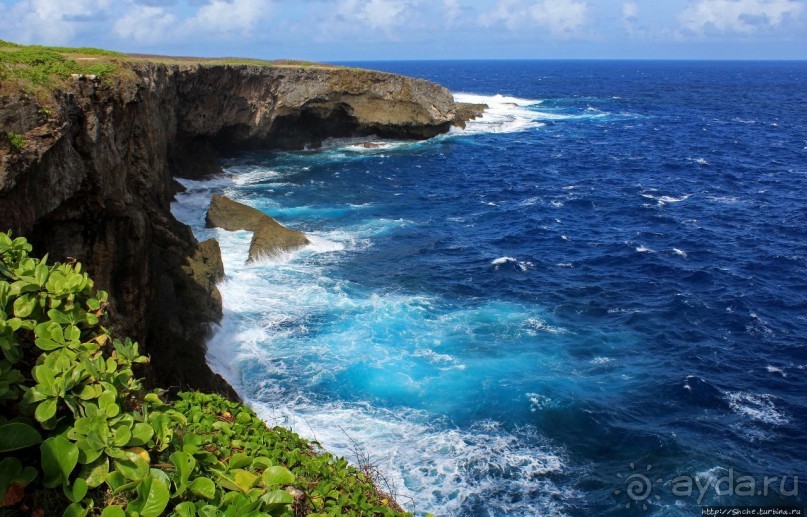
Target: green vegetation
{"type": "Point", "coordinates": [17, 140]}
{"type": "Point", "coordinates": [45, 66]}
{"type": "Point", "coordinates": [40, 67]}
{"type": "Point", "coordinates": [80, 436]}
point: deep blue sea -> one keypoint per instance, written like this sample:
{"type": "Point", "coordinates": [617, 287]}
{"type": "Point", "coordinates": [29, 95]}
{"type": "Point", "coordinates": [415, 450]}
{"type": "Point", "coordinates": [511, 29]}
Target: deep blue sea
{"type": "Point", "coordinates": [592, 301]}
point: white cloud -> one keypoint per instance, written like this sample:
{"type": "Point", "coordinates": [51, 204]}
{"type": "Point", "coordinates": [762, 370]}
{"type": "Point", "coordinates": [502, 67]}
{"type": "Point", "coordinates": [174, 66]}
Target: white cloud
{"type": "Point", "coordinates": [217, 20]}
{"type": "Point", "coordinates": [738, 16]}
{"type": "Point", "coordinates": [381, 14]}
{"type": "Point", "coordinates": [508, 12]}
{"type": "Point", "coordinates": [228, 17]}
{"type": "Point", "coordinates": [145, 24]}
{"type": "Point", "coordinates": [630, 12]}
{"type": "Point", "coordinates": [630, 19]}
{"type": "Point", "coordinates": [351, 18]}
{"type": "Point", "coordinates": [452, 11]}
{"type": "Point", "coordinates": [51, 21]}
{"type": "Point", "coordinates": [562, 18]}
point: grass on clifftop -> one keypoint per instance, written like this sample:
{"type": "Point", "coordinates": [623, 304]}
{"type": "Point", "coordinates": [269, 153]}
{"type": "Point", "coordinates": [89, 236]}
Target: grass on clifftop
{"type": "Point", "coordinates": [80, 436]}
{"type": "Point", "coordinates": [45, 67]}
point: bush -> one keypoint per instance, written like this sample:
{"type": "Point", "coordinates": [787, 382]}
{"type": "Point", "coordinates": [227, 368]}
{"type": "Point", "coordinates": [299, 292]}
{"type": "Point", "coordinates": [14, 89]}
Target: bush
{"type": "Point", "coordinates": [79, 435]}
{"type": "Point", "coordinates": [42, 66]}
{"type": "Point", "coordinates": [16, 140]}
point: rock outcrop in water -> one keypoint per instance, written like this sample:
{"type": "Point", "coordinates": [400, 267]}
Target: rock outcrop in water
{"type": "Point", "coordinates": [268, 236]}
{"type": "Point", "coordinates": [468, 111]}
{"type": "Point", "coordinates": [93, 178]}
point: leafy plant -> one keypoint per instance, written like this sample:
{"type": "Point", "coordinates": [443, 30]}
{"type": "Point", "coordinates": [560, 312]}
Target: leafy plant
{"type": "Point", "coordinates": [84, 431]}
{"type": "Point", "coordinates": [43, 66]}
{"type": "Point", "coordinates": [17, 141]}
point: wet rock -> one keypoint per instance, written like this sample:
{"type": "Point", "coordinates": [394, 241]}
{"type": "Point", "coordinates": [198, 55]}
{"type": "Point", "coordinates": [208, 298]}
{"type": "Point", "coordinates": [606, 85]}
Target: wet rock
{"type": "Point", "coordinates": [269, 237]}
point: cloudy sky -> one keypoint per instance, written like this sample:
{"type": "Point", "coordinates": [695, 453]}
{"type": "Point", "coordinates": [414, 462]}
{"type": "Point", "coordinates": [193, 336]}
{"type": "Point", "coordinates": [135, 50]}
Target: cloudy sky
{"type": "Point", "coordinates": [419, 29]}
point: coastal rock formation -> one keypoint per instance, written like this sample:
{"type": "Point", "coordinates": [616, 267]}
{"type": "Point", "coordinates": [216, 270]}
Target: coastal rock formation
{"type": "Point", "coordinates": [268, 236]}
{"type": "Point", "coordinates": [90, 176]}
{"type": "Point", "coordinates": [466, 111]}
{"type": "Point", "coordinates": [226, 109]}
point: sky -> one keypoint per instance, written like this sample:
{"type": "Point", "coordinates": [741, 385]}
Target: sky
{"type": "Point", "coordinates": [349, 30]}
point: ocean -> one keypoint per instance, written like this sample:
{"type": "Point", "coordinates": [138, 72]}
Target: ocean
{"type": "Point", "coordinates": [591, 301]}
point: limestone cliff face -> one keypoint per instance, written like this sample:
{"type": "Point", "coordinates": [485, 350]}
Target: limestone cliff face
{"type": "Point", "coordinates": [223, 109]}
{"type": "Point", "coordinates": [94, 178]}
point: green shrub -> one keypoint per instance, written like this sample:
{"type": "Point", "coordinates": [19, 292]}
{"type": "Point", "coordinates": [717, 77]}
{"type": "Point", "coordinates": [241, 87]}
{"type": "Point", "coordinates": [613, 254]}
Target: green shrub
{"type": "Point", "coordinates": [17, 141]}
{"type": "Point", "coordinates": [43, 66]}
{"type": "Point", "coordinates": [78, 432]}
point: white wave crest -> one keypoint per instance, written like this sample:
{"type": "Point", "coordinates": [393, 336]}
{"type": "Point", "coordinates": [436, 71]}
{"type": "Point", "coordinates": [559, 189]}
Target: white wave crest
{"type": "Point", "coordinates": [760, 408]}
{"type": "Point", "coordinates": [503, 115]}
{"type": "Point", "coordinates": [519, 264]}
{"type": "Point", "coordinates": [431, 468]}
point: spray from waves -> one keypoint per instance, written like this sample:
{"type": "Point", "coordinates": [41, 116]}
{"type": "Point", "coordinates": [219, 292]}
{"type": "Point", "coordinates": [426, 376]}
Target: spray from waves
{"type": "Point", "coordinates": [503, 115]}
{"type": "Point", "coordinates": [273, 348]}
{"type": "Point", "coordinates": [429, 468]}
{"type": "Point", "coordinates": [505, 262]}
{"type": "Point", "coordinates": [281, 359]}
{"type": "Point", "coordinates": [513, 114]}
{"type": "Point", "coordinates": [759, 408]}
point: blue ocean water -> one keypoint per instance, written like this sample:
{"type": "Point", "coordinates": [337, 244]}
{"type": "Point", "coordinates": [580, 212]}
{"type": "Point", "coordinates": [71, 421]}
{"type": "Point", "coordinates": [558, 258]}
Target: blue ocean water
{"type": "Point", "coordinates": [589, 300]}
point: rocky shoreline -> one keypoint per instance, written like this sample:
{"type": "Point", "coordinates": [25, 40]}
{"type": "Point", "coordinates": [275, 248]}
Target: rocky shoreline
{"type": "Point", "coordinates": [94, 179]}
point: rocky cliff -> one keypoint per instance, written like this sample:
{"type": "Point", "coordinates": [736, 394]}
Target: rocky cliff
{"type": "Point", "coordinates": [92, 178]}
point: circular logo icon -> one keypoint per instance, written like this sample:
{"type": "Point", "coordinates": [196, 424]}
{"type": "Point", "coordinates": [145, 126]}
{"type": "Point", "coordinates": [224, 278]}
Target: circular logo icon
{"type": "Point", "coordinates": [638, 486]}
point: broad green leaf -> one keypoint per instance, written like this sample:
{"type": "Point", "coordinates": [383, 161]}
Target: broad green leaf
{"type": "Point", "coordinates": [278, 497]}
{"type": "Point", "coordinates": [77, 491]}
{"type": "Point", "coordinates": [17, 435]}
{"type": "Point", "coordinates": [59, 458]}
{"type": "Point", "coordinates": [208, 510]}
{"type": "Point", "coordinates": [72, 333]}
{"type": "Point", "coordinates": [60, 317]}
{"type": "Point", "coordinates": [56, 334]}
{"type": "Point", "coordinates": [113, 511]}
{"type": "Point", "coordinates": [14, 324]}
{"type": "Point", "coordinates": [239, 460]}
{"type": "Point", "coordinates": [239, 480]}
{"type": "Point", "coordinates": [261, 462]}
{"type": "Point", "coordinates": [133, 467]}
{"type": "Point", "coordinates": [116, 453]}
{"type": "Point", "coordinates": [186, 509]}
{"type": "Point", "coordinates": [75, 510]}
{"type": "Point", "coordinates": [277, 475]}
{"type": "Point", "coordinates": [122, 436]}
{"type": "Point", "coordinates": [184, 464]}
{"type": "Point", "coordinates": [47, 344]}
{"type": "Point", "coordinates": [152, 498]}
{"type": "Point", "coordinates": [24, 306]}
{"type": "Point", "coordinates": [162, 476]}
{"type": "Point", "coordinates": [41, 274]}
{"type": "Point", "coordinates": [116, 481]}
{"type": "Point", "coordinates": [96, 472]}
{"type": "Point", "coordinates": [141, 434]}
{"type": "Point", "coordinates": [89, 392]}
{"type": "Point", "coordinates": [46, 410]}
{"type": "Point", "coordinates": [44, 375]}
{"type": "Point", "coordinates": [203, 487]}
{"type": "Point", "coordinates": [90, 449]}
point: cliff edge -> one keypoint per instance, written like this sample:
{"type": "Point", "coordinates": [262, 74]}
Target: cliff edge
{"type": "Point", "coordinates": [86, 172]}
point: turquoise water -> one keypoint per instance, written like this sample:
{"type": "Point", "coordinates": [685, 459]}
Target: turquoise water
{"type": "Point", "coordinates": [604, 274]}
